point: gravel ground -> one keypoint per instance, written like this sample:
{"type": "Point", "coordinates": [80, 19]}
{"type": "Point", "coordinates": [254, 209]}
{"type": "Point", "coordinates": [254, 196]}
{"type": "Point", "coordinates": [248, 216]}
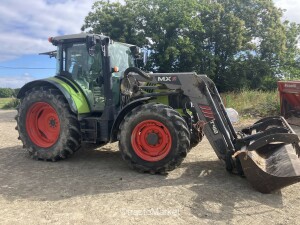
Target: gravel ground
{"type": "Point", "coordinates": [96, 187]}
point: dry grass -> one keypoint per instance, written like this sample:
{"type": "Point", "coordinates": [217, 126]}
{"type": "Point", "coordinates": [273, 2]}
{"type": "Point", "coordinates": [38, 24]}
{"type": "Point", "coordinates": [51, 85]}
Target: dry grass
{"type": "Point", "coordinates": [253, 103]}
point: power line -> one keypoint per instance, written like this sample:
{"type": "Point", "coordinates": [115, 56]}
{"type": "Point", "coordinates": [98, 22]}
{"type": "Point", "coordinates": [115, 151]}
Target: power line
{"type": "Point", "coordinates": [26, 68]}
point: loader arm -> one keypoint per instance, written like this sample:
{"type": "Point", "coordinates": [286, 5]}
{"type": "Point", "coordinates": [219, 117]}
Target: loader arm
{"type": "Point", "coordinates": [267, 152]}
{"type": "Point", "coordinates": [208, 104]}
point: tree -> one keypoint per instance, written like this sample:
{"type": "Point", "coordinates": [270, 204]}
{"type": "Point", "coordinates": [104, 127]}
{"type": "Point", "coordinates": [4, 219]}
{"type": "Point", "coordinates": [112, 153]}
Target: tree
{"type": "Point", "coordinates": [16, 92]}
{"type": "Point", "coordinates": [237, 43]}
{"type": "Point", "coordinates": [6, 92]}
{"type": "Point", "coordinates": [244, 40]}
{"type": "Point", "coordinates": [158, 25]}
{"type": "Point", "coordinates": [167, 26]}
{"type": "Point", "coordinates": [290, 65]}
{"type": "Point", "coordinates": [114, 20]}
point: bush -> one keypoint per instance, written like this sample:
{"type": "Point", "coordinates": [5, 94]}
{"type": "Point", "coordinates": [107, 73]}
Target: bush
{"type": "Point", "coordinates": [6, 92]}
{"type": "Point", "coordinates": [16, 91]}
{"type": "Point", "coordinates": [12, 104]}
{"type": "Point", "coordinates": [251, 103]}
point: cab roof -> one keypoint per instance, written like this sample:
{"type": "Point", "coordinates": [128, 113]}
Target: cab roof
{"type": "Point", "coordinates": [82, 37]}
{"type": "Point", "coordinates": [76, 37]}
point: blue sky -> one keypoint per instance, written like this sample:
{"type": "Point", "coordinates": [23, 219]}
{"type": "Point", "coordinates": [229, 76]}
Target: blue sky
{"type": "Point", "coordinates": [26, 25]}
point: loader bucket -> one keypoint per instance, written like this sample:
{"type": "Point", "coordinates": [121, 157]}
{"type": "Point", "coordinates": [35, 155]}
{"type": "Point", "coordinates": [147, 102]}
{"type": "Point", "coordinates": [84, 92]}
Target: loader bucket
{"type": "Point", "coordinates": [270, 160]}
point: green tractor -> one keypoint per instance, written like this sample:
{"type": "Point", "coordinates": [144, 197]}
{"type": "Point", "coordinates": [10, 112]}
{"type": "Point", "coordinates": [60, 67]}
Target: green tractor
{"type": "Point", "coordinates": [99, 95]}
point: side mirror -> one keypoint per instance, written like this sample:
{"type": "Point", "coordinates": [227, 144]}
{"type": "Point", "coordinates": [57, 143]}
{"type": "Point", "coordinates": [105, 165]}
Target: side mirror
{"type": "Point", "coordinates": [143, 59]}
{"type": "Point", "coordinates": [140, 55]}
{"type": "Point", "coordinates": [145, 56]}
{"type": "Point", "coordinates": [90, 44]}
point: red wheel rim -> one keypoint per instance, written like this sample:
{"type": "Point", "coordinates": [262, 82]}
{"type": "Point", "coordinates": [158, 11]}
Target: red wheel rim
{"type": "Point", "coordinates": [151, 140]}
{"type": "Point", "coordinates": [42, 124]}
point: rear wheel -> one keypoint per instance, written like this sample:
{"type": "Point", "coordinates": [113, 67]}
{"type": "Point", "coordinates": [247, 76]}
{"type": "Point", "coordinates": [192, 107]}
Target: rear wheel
{"type": "Point", "coordinates": [46, 125]}
{"type": "Point", "coordinates": [154, 138]}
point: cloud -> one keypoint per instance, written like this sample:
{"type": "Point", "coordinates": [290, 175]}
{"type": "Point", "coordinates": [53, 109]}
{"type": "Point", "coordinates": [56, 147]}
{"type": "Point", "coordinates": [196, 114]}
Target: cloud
{"type": "Point", "coordinates": [15, 81]}
{"type": "Point", "coordinates": [26, 25]}
{"type": "Point", "coordinates": [292, 8]}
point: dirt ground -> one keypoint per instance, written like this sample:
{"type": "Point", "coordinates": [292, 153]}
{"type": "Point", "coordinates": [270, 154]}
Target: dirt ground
{"type": "Point", "coordinates": [97, 187]}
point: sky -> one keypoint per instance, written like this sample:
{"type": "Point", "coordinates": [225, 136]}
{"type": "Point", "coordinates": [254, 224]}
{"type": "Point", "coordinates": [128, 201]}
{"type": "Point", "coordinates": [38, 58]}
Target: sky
{"type": "Point", "coordinates": [26, 25]}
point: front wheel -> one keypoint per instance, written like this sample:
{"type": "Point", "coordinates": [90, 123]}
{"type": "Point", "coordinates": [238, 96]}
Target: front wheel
{"type": "Point", "coordinates": [154, 138]}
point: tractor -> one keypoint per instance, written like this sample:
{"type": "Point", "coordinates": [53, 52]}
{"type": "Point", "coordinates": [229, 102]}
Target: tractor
{"type": "Point", "coordinates": [100, 95]}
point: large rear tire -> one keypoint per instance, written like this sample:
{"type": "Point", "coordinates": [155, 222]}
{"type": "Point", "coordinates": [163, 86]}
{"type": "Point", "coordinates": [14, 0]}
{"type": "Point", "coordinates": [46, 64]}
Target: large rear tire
{"type": "Point", "coordinates": [154, 138]}
{"type": "Point", "coordinates": [46, 125]}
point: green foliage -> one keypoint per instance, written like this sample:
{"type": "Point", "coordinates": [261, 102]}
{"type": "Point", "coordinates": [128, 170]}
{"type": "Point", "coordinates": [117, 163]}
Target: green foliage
{"type": "Point", "coordinates": [6, 92]}
{"type": "Point", "coordinates": [239, 44]}
{"type": "Point", "coordinates": [16, 92]}
{"type": "Point", "coordinates": [290, 66]}
{"type": "Point", "coordinates": [115, 20]}
{"type": "Point", "coordinates": [251, 103]}
{"type": "Point", "coordinates": [4, 101]}
{"type": "Point", "coordinates": [12, 104]}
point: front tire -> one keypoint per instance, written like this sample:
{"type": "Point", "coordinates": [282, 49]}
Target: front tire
{"type": "Point", "coordinates": [154, 138]}
{"type": "Point", "coordinates": [46, 125]}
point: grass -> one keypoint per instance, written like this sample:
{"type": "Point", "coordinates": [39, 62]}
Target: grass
{"type": "Point", "coordinates": [4, 101]}
{"type": "Point", "coordinates": [8, 103]}
{"type": "Point", "coordinates": [253, 103]}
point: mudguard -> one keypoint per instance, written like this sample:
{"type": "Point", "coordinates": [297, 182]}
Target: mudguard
{"type": "Point", "coordinates": [123, 113]}
{"type": "Point", "coordinates": [76, 99]}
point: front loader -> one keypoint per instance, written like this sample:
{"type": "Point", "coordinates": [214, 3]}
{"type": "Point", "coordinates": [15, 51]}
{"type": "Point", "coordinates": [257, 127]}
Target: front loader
{"type": "Point", "coordinates": [99, 95]}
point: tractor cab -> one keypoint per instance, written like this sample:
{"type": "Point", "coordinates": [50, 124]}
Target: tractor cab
{"type": "Point", "coordinates": [93, 62]}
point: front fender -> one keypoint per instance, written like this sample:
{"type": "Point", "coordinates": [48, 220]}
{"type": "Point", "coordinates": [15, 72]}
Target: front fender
{"type": "Point", "coordinates": [123, 113]}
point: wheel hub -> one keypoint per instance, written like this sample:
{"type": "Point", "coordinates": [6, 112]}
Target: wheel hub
{"type": "Point", "coordinates": [52, 123]}
{"type": "Point", "coordinates": [151, 140]}
{"type": "Point", "coordinates": [42, 124]}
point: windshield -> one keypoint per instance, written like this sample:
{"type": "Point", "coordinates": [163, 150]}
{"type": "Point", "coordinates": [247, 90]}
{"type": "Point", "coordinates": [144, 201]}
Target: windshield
{"type": "Point", "coordinates": [120, 56]}
{"type": "Point", "coordinates": [78, 63]}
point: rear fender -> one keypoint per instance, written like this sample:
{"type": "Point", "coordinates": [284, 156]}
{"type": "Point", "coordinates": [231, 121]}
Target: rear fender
{"type": "Point", "coordinates": [77, 102]}
{"type": "Point", "coordinates": [123, 113]}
